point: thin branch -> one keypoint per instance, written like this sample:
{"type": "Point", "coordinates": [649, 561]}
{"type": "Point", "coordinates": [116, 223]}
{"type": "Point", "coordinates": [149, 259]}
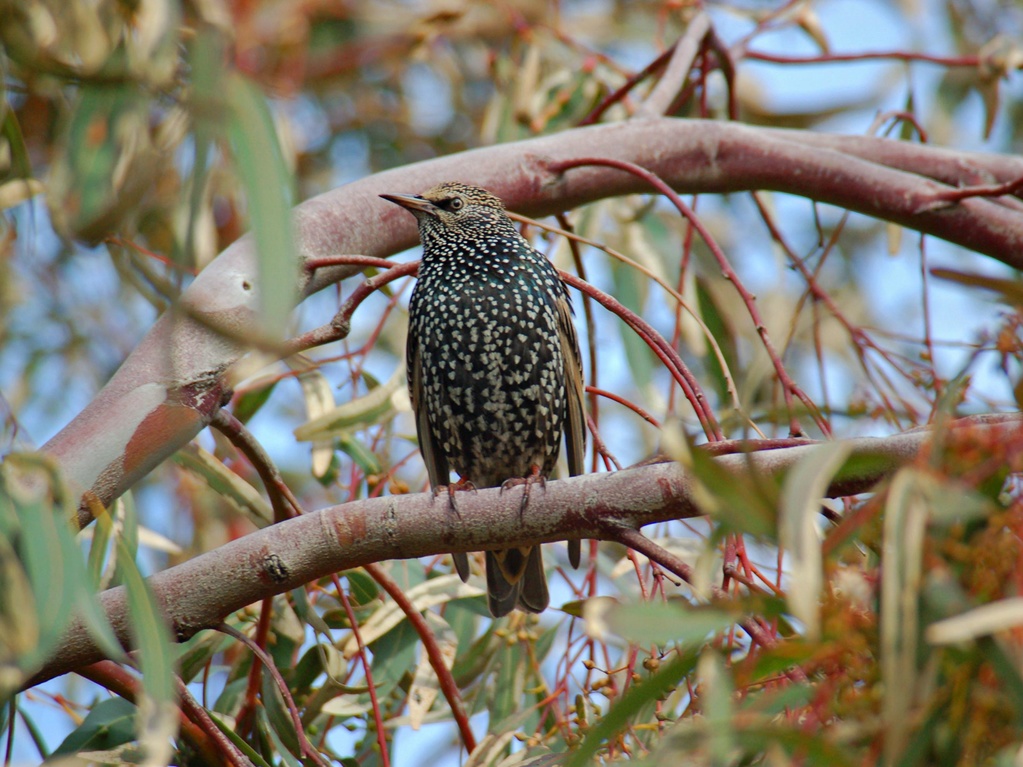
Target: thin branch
{"type": "Point", "coordinates": [625, 403]}
{"type": "Point", "coordinates": [664, 351]}
{"type": "Point", "coordinates": [204, 738]}
{"type": "Point", "coordinates": [378, 718]}
{"type": "Point", "coordinates": [190, 706]}
{"type": "Point", "coordinates": [341, 324]}
{"type": "Point", "coordinates": [308, 750]}
{"type": "Point", "coordinates": [948, 198]}
{"type": "Point", "coordinates": [444, 677]}
{"type": "Point", "coordinates": [685, 50]}
{"type": "Point", "coordinates": [284, 502]}
{"type": "Point", "coordinates": [865, 56]}
{"type": "Point", "coordinates": [636, 541]}
{"type": "Point", "coordinates": [789, 386]}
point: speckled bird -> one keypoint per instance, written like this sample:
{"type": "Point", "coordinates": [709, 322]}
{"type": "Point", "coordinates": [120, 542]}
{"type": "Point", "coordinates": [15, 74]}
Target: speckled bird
{"type": "Point", "coordinates": [493, 366]}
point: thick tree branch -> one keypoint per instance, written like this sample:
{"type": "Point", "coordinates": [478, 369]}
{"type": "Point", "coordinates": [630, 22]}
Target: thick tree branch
{"type": "Point", "coordinates": [170, 386]}
{"type": "Point", "coordinates": [198, 594]}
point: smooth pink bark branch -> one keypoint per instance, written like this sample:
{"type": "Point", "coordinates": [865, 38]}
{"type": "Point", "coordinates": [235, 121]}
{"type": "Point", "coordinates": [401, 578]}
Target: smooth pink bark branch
{"type": "Point", "coordinates": [172, 383]}
{"type": "Point", "coordinates": [200, 593]}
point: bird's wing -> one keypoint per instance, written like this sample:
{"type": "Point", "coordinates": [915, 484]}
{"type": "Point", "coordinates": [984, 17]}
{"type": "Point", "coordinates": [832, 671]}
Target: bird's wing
{"type": "Point", "coordinates": [575, 426]}
{"type": "Point", "coordinates": [434, 458]}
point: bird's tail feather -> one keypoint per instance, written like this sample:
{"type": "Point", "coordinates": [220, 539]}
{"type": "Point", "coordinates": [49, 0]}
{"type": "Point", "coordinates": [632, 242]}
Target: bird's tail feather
{"type": "Point", "coordinates": [528, 590]}
{"type": "Point", "coordinates": [533, 596]}
{"type": "Point", "coordinates": [502, 595]}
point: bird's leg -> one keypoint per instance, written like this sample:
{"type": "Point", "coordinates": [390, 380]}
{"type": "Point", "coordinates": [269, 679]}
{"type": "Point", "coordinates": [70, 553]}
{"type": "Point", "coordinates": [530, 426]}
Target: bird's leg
{"type": "Point", "coordinates": [533, 477]}
{"type": "Point", "coordinates": [461, 484]}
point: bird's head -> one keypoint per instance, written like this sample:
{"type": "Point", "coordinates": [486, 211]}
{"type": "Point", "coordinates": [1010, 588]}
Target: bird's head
{"type": "Point", "coordinates": [453, 207]}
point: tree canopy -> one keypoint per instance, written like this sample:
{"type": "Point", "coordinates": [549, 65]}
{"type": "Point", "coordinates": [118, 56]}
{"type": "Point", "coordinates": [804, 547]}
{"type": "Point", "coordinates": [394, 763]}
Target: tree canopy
{"type": "Point", "coordinates": [792, 231]}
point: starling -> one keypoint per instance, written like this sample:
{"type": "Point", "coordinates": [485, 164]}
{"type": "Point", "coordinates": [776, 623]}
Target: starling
{"type": "Point", "coordinates": [493, 365]}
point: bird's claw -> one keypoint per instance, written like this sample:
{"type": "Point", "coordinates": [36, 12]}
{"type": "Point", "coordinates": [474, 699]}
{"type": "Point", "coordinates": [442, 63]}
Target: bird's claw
{"type": "Point", "coordinates": [451, 489]}
{"type": "Point", "coordinates": [534, 477]}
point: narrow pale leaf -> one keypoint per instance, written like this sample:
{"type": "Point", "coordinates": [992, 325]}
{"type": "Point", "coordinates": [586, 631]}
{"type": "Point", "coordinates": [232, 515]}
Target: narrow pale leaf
{"type": "Point", "coordinates": [902, 558]}
{"type": "Point", "coordinates": [427, 594]}
{"type": "Point", "coordinates": [981, 621]}
{"type": "Point", "coordinates": [226, 483]}
{"type": "Point", "coordinates": [802, 491]}
{"type": "Point", "coordinates": [261, 165]}
{"type": "Point", "coordinates": [375, 407]}
{"type": "Point", "coordinates": [425, 685]}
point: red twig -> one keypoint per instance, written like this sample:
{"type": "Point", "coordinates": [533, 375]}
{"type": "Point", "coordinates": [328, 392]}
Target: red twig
{"type": "Point", "coordinates": [307, 748]}
{"type": "Point", "coordinates": [664, 351]}
{"type": "Point", "coordinates": [636, 541]}
{"type": "Point", "coordinates": [862, 342]}
{"type": "Point", "coordinates": [247, 715]}
{"type": "Point", "coordinates": [341, 325]}
{"type": "Point", "coordinates": [444, 677]}
{"type": "Point", "coordinates": [949, 197]}
{"type": "Point", "coordinates": [613, 98]}
{"type": "Point", "coordinates": [790, 388]}
{"type": "Point", "coordinates": [683, 54]}
{"type": "Point", "coordinates": [835, 58]}
{"type": "Point", "coordinates": [199, 731]}
{"type": "Point", "coordinates": [625, 403]}
{"type": "Point", "coordinates": [377, 715]}
{"type": "Point", "coordinates": [591, 329]}
{"type": "Point", "coordinates": [229, 753]}
{"type": "Point", "coordinates": [284, 502]}
{"type": "Point", "coordinates": [600, 448]}
{"type": "Point", "coordinates": [311, 264]}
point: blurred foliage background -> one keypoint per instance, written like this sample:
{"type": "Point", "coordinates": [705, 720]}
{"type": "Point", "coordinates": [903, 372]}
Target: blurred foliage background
{"type": "Point", "coordinates": [135, 141]}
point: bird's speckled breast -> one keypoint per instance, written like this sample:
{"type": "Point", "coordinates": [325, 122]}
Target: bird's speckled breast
{"type": "Point", "coordinates": [493, 382]}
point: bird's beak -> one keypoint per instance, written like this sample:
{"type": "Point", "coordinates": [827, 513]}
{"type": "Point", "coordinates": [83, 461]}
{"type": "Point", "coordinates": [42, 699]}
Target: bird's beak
{"type": "Point", "coordinates": [411, 202]}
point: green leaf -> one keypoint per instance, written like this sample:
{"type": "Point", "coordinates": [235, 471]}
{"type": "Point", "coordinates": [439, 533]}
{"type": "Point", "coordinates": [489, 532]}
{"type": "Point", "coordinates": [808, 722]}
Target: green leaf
{"type": "Point", "coordinates": [376, 406]}
{"type": "Point", "coordinates": [804, 486]}
{"type": "Point", "coordinates": [1010, 290]}
{"type": "Point", "coordinates": [226, 483]}
{"type": "Point", "coordinates": [264, 174]}
{"type": "Point", "coordinates": [278, 719]}
{"type": "Point", "coordinates": [635, 698]}
{"type": "Point", "coordinates": [358, 451]}
{"type": "Point", "coordinates": [319, 659]}
{"type": "Point", "coordinates": [106, 161]}
{"type": "Point", "coordinates": [629, 290]}
{"type": "Point", "coordinates": [21, 163]}
{"type": "Point", "coordinates": [363, 588]}
{"type": "Point", "coordinates": [238, 742]}
{"type": "Point", "coordinates": [250, 403]}
{"type": "Point", "coordinates": [46, 554]}
{"type": "Point", "coordinates": [716, 700]}
{"type": "Point", "coordinates": [513, 668]}
{"type": "Point", "coordinates": [776, 701]}
{"type": "Point", "coordinates": [109, 724]}
{"type": "Point", "coordinates": [658, 623]}
{"type": "Point", "coordinates": [394, 657]}
{"type": "Point", "coordinates": [715, 320]}
{"type": "Point", "coordinates": [906, 514]}
{"type": "Point", "coordinates": [194, 654]}
{"type": "Point", "coordinates": [473, 663]}
{"type": "Point", "coordinates": [743, 500]}
{"type": "Point", "coordinates": [155, 722]}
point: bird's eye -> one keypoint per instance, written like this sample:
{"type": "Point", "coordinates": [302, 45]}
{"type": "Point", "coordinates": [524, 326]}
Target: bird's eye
{"type": "Point", "coordinates": [457, 203]}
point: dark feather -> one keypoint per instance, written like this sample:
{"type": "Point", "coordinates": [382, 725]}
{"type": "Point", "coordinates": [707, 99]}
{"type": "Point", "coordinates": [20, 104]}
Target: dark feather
{"type": "Point", "coordinates": [502, 596]}
{"type": "Point", "coordinates": [433, 457]}
{"type": "Point", "coordinates": [533, 595]}
{"type": "Point", "coordinates": [575, 426]}
{"type": "Point", "coordinates": [515, 578]}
